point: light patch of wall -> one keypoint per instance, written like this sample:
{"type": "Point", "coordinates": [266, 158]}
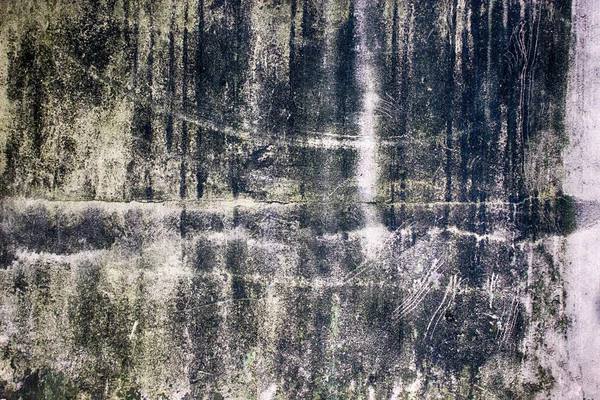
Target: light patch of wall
{"type": "Point", "coordinates": [582, 165]}
{"type": "Point", "coordinates": [114, 152]}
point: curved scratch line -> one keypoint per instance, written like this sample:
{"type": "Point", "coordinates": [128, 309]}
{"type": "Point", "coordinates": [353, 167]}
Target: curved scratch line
{"type": "Point", "coordinates": [455, 282]}
{"type": "Point", "coordinates": [436, 311]}
{"type": "Point", "coordinates": [415, 297]}
{"type": "Point", "coordinates": [416, 304]}
{"type": "Point", "coordinates": [422, 285]}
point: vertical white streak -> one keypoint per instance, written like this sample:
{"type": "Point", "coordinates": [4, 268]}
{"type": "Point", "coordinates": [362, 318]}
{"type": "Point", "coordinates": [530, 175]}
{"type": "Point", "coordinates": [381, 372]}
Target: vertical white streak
{"type": "Point", "coordinates": [488, 82]}
{"type": "Point", "coordinates": [582, 167]}
{"type": "Point", "coordinates": [132, 334]}
{"type": "Point", "coordinates": [367, 171]}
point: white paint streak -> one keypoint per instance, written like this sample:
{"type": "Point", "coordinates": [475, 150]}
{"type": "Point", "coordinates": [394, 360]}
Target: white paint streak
{"type": "Point", "coordinates": [367, 171]}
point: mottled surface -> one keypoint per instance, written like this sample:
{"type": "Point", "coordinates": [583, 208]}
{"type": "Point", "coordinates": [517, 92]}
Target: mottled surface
{"type": "Point", "coordinates": [284, 199]}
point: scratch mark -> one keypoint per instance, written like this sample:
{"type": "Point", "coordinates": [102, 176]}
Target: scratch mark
{"type": "Point", "coordinates": [132, 334]}
{"type": "Point", "coordinates": [417, 298]}
{"type": "Point", "coordinates": [454, 284]}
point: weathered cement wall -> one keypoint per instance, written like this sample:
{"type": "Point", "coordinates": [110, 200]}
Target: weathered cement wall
{"type": "Point", "coordinates": [283, 199]}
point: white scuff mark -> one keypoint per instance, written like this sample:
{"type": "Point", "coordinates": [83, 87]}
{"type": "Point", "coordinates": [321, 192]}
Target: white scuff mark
{"type": "Point", "coordinates": [29, 257]}
{"type": "Point", "coordinates": [414, 388]}
{"type": "Point", "coordinates": [373, 237]}
{"type": "Point", "coordinates": [352, 386]}
{"type": "Point", "coordinates": [396, 391]}
{"type": "Point", "coordinates": [269, 393]}
{"type": "Point", "coordinates": [491, 284]}
{"type": "Point", "coordinates": [494, 237]}
{"type": "Point", "coordinates": [371, 392]}
{"type": "Point", "coordinates": [132, 334]}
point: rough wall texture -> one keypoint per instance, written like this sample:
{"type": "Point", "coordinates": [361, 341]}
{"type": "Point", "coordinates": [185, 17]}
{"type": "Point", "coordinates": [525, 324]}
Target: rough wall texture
{"type": "Point", "coordinates": [283, 199]}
